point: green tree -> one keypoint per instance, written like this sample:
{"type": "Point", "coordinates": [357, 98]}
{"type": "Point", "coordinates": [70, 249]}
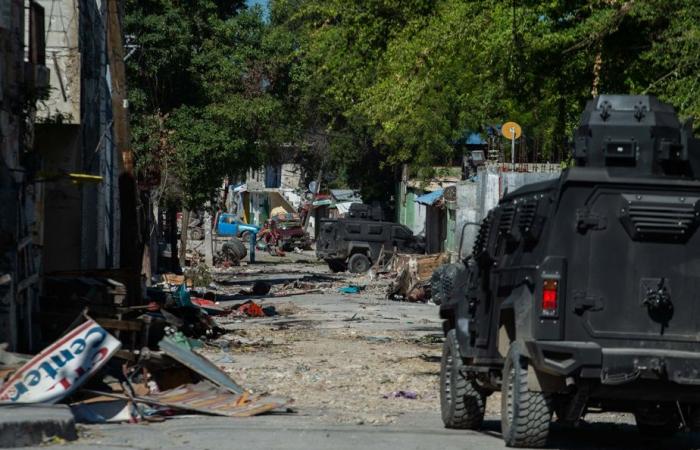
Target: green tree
{"type": "Point", "coordinates": [204, 75]}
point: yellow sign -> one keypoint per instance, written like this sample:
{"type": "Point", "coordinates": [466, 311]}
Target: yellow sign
{"type": "Point", "coordinates": [84, 178]}
{"type": "Point", "coordinates": [511, 130]}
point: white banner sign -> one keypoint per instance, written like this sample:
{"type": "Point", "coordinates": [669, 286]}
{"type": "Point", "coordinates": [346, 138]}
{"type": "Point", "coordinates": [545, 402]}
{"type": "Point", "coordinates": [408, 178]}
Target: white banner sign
{"type": "Point", "coordinates": [59, 369]}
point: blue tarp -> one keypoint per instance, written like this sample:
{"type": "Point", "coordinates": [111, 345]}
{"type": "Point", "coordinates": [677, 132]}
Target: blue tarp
{"type": "Point", "coordinates": [475, 139]}
{"type": "Point", "coordinates": [430, 198]}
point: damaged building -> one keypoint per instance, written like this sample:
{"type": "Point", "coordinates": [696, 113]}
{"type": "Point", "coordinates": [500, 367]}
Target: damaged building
{"type": "Point", "coordinates": [74, 136]}
{"type": "Point", "coordinates": [23, 80]}
{"type": "Point", "coordinates": [60, 166]}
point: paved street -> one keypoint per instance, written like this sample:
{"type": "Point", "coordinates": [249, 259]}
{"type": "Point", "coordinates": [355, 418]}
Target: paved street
{"type": "Point", "coordinates": [303, 431]}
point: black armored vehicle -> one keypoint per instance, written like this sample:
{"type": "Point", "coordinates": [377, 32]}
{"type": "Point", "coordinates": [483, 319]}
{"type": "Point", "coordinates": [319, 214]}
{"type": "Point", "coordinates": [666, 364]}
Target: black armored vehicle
{"type": "Point", "coordinates": [356, 242]}
{"type": "Point", "coordinates": [582, 294]}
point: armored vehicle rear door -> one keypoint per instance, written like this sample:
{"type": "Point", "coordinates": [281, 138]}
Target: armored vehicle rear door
{"type": "Point", "coordinates": [634, 274]}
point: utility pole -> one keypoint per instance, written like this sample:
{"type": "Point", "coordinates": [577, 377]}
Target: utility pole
{"type": "Point", "coordinates": [130, 239]}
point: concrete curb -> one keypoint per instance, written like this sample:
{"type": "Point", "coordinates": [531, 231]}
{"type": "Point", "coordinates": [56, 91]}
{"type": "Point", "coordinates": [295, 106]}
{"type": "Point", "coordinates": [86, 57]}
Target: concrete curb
{"type": "Point", "coordinates": [25, 425]}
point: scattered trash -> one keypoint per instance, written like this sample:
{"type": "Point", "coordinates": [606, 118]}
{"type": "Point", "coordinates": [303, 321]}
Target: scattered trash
{"type": "Point", "coordinates": [209, 306]}
{"type": "Point", "coordinates": [106, 411]}
{"type": "Point", "coordinates": [402, 394]}
{"type": "Point", "coordinates": [62, 367]}
{"type": "Point", "coordinates": [351, 289]}
{"type": "Point", "coordinates": [252, 309]}
{"type": "Point", "coordinates": [411, 275]}
{"type": "Point", "coordinates": [354, 318]}
{"type": "Point", "coordinates": [225, 359]}
{"type": "Point", "coordinates": [377, 338]}
{"type": "Point", "coordinates": [291, 292]}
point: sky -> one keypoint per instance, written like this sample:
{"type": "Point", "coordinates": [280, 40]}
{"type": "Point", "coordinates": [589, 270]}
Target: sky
{"type": "Point", "coordinates": [262, 3]}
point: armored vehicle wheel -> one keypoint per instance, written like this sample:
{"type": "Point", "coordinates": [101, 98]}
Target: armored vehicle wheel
{"type": "Point", "coordinates": [336, 265]}
{"type": "Point", "coordinates": [461, 402]}
{"type": "Point", "coordinates": [657, 420]}
{"type": "Point", "coordinates": [442, 282]}
{"type": "Point", "coordinates": [525, 414]}
{"type": "Point", "coordinates": [359, 263]}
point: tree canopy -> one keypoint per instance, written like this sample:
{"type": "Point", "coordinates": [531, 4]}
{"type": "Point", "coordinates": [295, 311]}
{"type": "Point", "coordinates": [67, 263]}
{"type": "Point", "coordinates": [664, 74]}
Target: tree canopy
{"type": "Point", "coordinates": [358, 88]}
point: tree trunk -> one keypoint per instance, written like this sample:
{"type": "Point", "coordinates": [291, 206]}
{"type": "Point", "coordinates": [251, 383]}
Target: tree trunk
{"type": "Point", "coordinates": [184, 228]}
{"type": "Point", "coordinates": [208, 240]}
{"type": "Point", "coordinates": [172, 235]}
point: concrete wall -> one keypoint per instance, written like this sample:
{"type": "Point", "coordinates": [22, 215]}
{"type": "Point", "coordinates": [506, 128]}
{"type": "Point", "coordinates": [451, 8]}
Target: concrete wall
{"type": "Point", "coordinates": [75, 136]}
{"type": "Point", "coordinates": [475, 199]}
{"type": "Point", "coordinates": [63, 57]}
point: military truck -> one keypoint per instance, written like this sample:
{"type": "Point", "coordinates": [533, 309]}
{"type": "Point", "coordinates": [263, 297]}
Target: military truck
{"type": "Point", "coordinates": [582, 294]}
{"type": "Point", "coordinates": [355, 244]}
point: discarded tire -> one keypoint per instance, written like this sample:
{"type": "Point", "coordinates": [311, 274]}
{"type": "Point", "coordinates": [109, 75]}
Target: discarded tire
{"type": "Point", "coordinates": [234, 250]}
{"type": "Point", "coordinates": [462, 404]}
{"type": "Point", "coordinates": [525, 414]}
{"type": "Point", "coordinates": [359, 263]}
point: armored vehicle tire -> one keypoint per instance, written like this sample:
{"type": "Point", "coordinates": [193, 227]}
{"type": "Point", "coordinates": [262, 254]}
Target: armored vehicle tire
{"type": "Point", "coordinates": [443, 280]}
{"type": "Point", "coordinates": [525, 414]}
{"type": "Point", "coordinates": [359, 263]}
{"type": "Point", "coordinates": [461, 402]}
{"type": "Point", "coordinates": [657, 420]}
{"type": "Point", "coordinates": [336, 265]}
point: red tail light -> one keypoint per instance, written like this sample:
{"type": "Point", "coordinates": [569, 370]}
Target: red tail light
{"type": "Point", "coordinates": [550, 298]}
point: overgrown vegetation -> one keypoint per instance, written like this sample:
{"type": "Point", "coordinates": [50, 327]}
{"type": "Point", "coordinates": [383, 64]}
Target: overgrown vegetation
{"type": "Point", "coordinates": [358, 88]}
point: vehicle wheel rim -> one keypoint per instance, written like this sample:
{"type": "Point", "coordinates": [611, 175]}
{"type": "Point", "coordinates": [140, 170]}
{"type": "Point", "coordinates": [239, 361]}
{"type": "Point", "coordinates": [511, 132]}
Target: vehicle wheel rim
{"type": "Point", "coordinates": [448, 383]}
{"type": "Point", "coordinates": [510, 395]}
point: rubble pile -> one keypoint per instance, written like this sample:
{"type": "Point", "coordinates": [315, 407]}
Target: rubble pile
{"type": "Point", "coordinates": [143, 365]}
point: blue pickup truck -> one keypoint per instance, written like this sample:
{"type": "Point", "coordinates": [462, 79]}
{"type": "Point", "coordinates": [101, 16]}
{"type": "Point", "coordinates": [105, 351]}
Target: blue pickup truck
{"type": "Point", "coordinates": [228, 225]}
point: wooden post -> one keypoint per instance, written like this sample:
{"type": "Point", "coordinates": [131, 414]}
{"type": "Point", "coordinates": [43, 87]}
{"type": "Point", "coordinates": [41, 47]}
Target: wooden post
{"type": "Point", "coordinates": [130, 239]}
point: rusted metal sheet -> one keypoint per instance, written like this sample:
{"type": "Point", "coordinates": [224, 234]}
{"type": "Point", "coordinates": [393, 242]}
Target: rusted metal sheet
{"type": "Point", "coordinates": [199, 364]}
{"type": "Point", "coordinates": [206, 398]}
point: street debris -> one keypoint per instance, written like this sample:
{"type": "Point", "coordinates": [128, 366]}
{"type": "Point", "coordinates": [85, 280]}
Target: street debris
{"type": "Point", "coordinates": [351, 289]}
{"type": "Point", "coordinates": [411, 275]}
{"type": "Point", "coordinates": [410, 395]}
{"type": "Point", "coordinates": [60, 369]}
{"type": "Point", "coordinates": [104, 411]}
{"type": "Point", "coordinates": [206, 398]}
{"type": "Point", "coordinates": [158, 374]}
{"type": "Point", "coordinates": [198, 364]}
